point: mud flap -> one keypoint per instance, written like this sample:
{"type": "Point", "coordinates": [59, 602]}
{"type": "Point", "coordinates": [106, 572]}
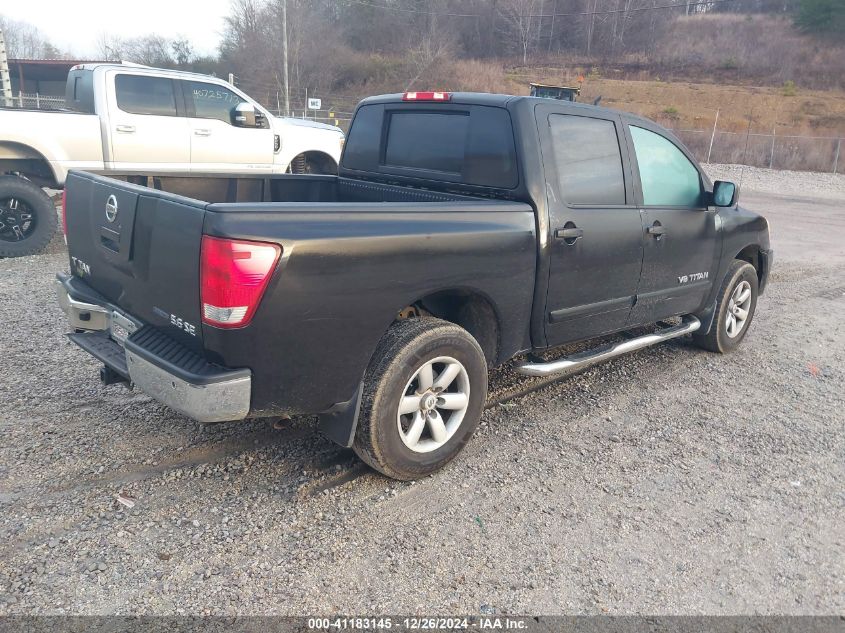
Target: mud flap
{"type": "Point", "coordinates": [339, 423]}
{"type": "Point", "coordinates": [706, 317]}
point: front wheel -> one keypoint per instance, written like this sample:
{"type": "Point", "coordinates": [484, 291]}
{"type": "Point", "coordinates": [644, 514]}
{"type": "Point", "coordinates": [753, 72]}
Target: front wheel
{"type": "Point", "coordinates": [735, 307]}
{"type": "Point", "coordinates": [28, 218]}
{"type": "Point", "coordinates": [424, 392]}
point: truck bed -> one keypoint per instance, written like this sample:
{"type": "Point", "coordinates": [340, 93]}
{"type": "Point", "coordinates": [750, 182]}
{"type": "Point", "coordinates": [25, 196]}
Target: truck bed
{"type": "Point", "coordinates": [214, 188]}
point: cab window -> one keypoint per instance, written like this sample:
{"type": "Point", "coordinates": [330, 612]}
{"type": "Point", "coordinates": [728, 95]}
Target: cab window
{"type": "Point", "coordinates": [587, 160]}
{"type": "Point", "coordinates": [211, 101]}
{"type": "Point", "coordinates": [139, 94]}
{"type": "Point", "coordinates": [667, 176]}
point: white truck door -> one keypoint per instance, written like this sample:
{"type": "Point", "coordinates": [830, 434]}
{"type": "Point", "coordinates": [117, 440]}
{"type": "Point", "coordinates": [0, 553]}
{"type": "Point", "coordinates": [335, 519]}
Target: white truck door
{"type": "Point", "coordinates": [216, 144]}
{"type": "Point", "coordinates": [146, 128]}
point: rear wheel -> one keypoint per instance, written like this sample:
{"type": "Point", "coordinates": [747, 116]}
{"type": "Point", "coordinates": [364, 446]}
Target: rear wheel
{"type": "Point", "coordinates": [735, 307]}
{"type": "Point", "coordinates": [27, 217]}
{"type": "Point", "coordinates": [424, 392]}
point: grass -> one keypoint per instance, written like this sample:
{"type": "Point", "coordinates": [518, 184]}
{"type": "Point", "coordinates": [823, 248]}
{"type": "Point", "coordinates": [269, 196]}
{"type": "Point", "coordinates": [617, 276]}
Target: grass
{"type": "Point", "coordinates": [694, 105]}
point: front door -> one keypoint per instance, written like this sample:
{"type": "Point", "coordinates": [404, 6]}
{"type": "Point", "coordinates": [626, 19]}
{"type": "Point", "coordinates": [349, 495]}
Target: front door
{"type": "Point", "coordinates": [596, 233]}
{"type": "Point", "coordinates": [216, 144]}
{"type": "Point", "coordinates": [680, 241]}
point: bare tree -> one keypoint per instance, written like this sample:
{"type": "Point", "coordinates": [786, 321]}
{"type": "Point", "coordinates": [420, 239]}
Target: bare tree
{"type": "Point", "coordinates": [520, 19]}
{"type": "Point", "coordinates": [433, 47]}
{"type": "Point", "coordinates": [182, 50]}
{"type": "Point", "coordinates": [26, 41]}
{"type": "Point", "coordinates": [109, 47]}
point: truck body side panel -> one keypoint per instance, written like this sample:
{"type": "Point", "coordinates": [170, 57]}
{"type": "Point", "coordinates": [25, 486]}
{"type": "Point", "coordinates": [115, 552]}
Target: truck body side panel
{"type": "Point", "coordinates": [347, 270]}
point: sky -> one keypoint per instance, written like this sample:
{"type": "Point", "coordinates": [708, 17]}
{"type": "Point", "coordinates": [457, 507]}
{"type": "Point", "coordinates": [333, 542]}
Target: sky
{"type": "Point", "coordinates": [76, 25]}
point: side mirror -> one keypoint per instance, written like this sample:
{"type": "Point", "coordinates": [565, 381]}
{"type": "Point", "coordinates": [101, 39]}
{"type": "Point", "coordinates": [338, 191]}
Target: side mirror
{"type": "Point", "coordinates": [725, 193]}
{"type": "Point", "coordinates": [244, 115]}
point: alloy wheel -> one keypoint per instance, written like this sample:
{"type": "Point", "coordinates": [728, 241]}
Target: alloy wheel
{"type": "Point", "coordinates": [433, 404]}
{"type": "Point", "coordinates": [739, 306]}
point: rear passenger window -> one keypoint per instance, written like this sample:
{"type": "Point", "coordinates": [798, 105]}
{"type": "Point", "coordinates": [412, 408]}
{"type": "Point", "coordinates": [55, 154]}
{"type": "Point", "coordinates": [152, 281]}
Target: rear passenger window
{"type": "Point", "coordinates": [137, 94]}
{"type": "Point", "coordinates": [668, 177]}
{"type": "Point", "coordinates": [587, 160]}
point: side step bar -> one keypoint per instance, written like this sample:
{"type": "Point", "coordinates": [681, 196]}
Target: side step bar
{"type": "Point", "coordinates": [580, 360]}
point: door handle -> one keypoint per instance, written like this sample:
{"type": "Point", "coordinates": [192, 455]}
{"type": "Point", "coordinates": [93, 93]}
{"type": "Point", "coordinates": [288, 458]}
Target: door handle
{"type": "Point", "coordinates": [126, 129]}
{"type": "Point", "coordinates": [202, 132]}
{"type": "Point", "coordinates": [572, 233]}
{"type": "Point", "coordinates": [656, 230]}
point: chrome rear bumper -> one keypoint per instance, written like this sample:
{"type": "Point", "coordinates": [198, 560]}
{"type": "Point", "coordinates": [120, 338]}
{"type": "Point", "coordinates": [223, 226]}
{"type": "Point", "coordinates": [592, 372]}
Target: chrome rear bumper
{"type": "Point", "coordinates": [173, 374]}
{"type": "Point", "coordinates": [219, 401]}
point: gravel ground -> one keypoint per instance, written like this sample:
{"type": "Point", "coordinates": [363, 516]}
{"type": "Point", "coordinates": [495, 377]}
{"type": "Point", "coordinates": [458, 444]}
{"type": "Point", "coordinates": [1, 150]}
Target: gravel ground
{"type": "Point", "coordinates": [668, 481]}
{"type": "Point", "coordinates": [801, 184]}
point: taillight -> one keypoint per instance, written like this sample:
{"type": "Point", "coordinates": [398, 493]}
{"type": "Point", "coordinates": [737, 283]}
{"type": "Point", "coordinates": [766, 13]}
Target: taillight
{"type": "Point", "coordinates": [64, 213]}
{"type": "Point", "coordinates": [233, 277]}
{"type": "Point", "coordinates": [427, 96]}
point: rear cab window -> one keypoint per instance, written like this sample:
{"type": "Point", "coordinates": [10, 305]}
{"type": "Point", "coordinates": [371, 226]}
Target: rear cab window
{"type": "Point", "coordinates": [141, 94]}
{"type": "Point", "coordinates": [467, 144]}
{"type": "Point", "coordinates": [79, 91]}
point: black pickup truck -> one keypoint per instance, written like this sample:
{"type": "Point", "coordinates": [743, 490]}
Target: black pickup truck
{"type": "Point", "coordinates": [463, 230]}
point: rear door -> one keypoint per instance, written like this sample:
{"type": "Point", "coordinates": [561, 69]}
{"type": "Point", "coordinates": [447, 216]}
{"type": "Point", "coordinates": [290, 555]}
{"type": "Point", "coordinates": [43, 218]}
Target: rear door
{"type": "Point", "coordinates": [147, 128]}
{"type": "Point", "coordinates": [680, 241]}
{"type": "Point", "coordinates": [140, 249]}
{"type": "Point", "coordinates": [596, 231]}
{"type": "Point", "coordinates": [216, 144]}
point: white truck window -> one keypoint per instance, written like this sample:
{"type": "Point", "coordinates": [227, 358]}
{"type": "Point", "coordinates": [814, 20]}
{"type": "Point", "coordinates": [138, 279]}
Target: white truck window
{"type": "Point", "coordinates": [138, 94]}
{"type": "Point", "coordinates": [211, 101]}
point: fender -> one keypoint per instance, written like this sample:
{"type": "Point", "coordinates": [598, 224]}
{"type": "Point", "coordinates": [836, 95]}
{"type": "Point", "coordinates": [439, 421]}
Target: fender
{"type": "Point", "coordinates": [300, 137]}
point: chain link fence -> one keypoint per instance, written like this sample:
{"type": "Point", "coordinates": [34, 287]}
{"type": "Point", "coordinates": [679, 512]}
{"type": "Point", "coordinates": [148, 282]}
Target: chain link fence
{"type": "Point", "coordinates": [33, 101]}
{"type": "Point", "coordinates": [775, 151]}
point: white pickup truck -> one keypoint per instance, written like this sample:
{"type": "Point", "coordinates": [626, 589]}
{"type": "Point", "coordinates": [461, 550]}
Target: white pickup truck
{"type": "Point", "coordinates": [124, 119]}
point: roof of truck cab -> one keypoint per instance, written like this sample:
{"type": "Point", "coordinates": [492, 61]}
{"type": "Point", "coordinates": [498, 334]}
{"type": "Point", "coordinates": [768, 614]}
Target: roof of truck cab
{"type": "Point", "coordinates": [140, 67]}
{"type": "Point", "coordinates": [490, 99]}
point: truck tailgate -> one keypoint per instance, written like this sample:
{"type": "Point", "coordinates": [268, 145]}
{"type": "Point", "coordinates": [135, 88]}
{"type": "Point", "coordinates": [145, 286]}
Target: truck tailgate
{"type": "Point", "coordinates": [140, 249]}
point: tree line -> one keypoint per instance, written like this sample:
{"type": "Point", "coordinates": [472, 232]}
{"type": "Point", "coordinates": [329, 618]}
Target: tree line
{"type": "Point", "coordinates": [345, 45]}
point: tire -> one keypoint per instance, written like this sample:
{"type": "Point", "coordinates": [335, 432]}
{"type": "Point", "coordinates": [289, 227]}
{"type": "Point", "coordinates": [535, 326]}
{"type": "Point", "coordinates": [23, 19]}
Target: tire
{"type": "Point", "coordinates": [740, 278]}
{"type": "Point", "coordinates": [394, 443]}
{"type": "Point", "coordinates": [28, 218]}
{"type": "Point", "coordinates": [303, 165]}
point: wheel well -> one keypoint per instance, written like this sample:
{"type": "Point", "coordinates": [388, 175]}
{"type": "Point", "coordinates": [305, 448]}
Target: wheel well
{"type": "Point", "coordinates": [16, 158]}
{"type": "Point", "coordinates": [751, 254]}
{"type": "Point", "coordinates": [319, 162]}
{"type": "Point", "coordinates": [465, 308]}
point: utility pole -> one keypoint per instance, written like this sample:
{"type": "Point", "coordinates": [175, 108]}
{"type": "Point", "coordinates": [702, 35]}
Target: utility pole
{"type": "Point", "coordinates": [285, 53]}
{"type": "Point", "coordinates": [591, 26]}
{"type": "Point", "coordinates": [5, 78]}
{"type": "Point", "coordinates": [552, 32]}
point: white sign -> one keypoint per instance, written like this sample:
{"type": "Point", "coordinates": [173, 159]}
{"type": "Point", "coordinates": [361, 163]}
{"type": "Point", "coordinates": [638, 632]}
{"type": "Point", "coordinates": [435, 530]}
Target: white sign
{"type": "Point", "coordinates": [314, 104]}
